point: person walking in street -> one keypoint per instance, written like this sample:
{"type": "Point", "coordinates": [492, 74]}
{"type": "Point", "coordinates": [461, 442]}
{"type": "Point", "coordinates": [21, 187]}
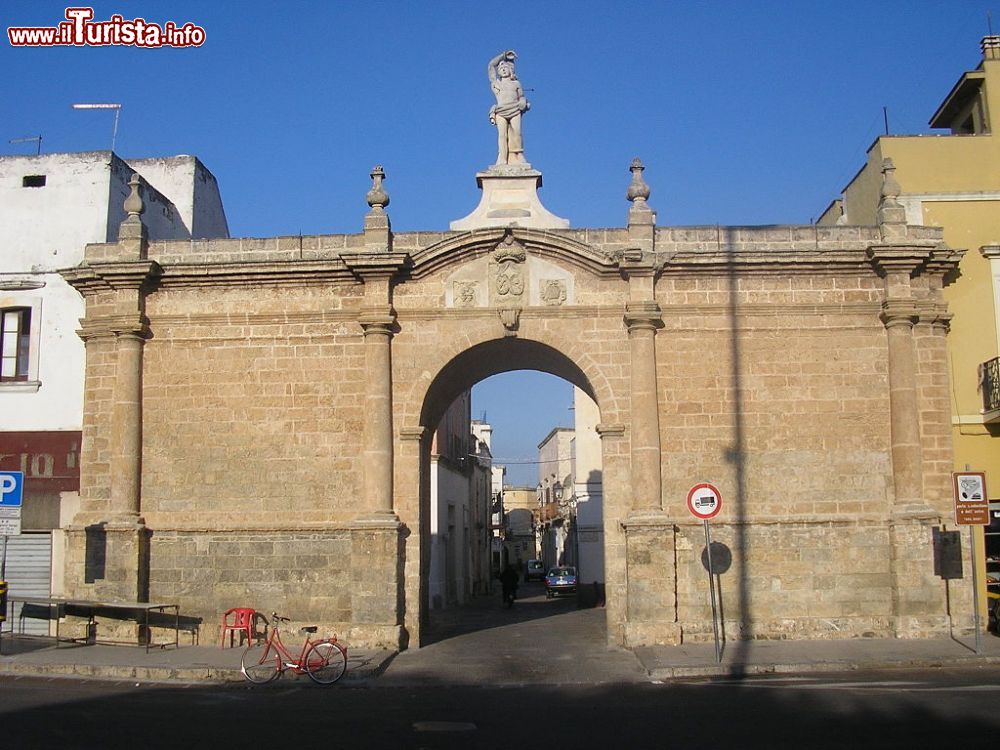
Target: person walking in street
{"type": "Point", "coordinates": [508, 582]}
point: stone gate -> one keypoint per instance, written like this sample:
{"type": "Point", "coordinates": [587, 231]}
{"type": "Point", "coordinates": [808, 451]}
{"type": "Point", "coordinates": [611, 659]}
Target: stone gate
{"type": "Point", "coordinates": [258, 412]}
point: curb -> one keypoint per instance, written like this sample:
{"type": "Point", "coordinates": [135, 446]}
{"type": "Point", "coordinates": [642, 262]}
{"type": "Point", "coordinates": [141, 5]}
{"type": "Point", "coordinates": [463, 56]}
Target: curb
{"type": "Point", "coordinates": [735, 671]}
{"type": "Point", "coordinates": [357, 675]}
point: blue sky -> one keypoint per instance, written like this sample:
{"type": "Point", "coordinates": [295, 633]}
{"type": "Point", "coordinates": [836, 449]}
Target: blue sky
{"type": "Point", "coordinates": [751, 112]}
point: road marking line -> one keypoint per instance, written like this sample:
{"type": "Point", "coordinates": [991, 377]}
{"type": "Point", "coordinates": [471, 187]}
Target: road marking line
{"type": "Point", "coordinates": [444, 726]}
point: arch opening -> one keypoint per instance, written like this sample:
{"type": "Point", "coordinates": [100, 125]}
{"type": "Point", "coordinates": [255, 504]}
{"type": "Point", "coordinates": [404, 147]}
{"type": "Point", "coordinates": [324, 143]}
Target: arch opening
{"type": "Point", "coordinates": [544, 500]}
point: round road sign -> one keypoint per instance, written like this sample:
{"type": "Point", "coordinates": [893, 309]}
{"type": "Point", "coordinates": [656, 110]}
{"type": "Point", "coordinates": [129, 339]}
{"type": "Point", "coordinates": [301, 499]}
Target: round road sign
{"type": "Point", "coordinates": [704, 501]}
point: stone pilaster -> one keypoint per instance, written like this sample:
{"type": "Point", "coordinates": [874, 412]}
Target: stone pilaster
{"type": "Point", "coordinates": [110, 537]}
{"type": "Point", "coordinates": [376, 267]}
{"type": "Point", "coordinates": [917, 607]}
{"type": "Point", "coordinates": [897, 260]}
{"type": "Point", "coordinates": [650, 605]}
{"type": "Point", "coordinates": [641, 320]}
{"type": "Point", "coordinates": [899, 317]}
{"type": "Point", "coordinates": [377, 434]}
{"type": "Point", "coordinates": [126, 428]}
{"type": "Point", "coordinates": [377, 536]}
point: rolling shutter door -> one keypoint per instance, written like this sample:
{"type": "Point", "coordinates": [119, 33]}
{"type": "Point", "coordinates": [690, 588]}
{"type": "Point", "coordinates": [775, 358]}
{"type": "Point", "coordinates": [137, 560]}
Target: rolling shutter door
{"type": "Point", "coordinates": [29, 572]}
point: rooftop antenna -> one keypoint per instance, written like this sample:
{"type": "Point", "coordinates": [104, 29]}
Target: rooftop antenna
{"type": "Point", "coordinates": [116, 107]}
{"type": "Point", "coordinates": [885, 119]}
{"type": "Point", "coordinates": [28, 139]}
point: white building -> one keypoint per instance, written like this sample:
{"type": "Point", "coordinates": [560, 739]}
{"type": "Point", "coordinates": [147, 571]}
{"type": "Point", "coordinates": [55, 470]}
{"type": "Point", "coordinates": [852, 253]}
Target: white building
{"type": "Point", "coordinates": [570, 498]}
{"type": "Point", "coordinates": [51, 206]}
{"type": "Point", "coordinates": [555, 482]}
{"type": "Point", "coordinates": [460, 485]}
{"type": "Point", "coordinates": [498, 473]}
{"type": "Point", "coordinates": [587, 498]}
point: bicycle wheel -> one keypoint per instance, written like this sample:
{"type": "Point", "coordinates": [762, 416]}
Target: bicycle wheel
{"type": "Point", "coordinates": [326, 662]}
{"type": "Point", "coordinates": [260, 663]}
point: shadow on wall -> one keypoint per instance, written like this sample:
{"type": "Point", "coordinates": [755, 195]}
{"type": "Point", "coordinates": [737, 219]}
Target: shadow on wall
{"type": "Point", "coordinates": [96, 554]}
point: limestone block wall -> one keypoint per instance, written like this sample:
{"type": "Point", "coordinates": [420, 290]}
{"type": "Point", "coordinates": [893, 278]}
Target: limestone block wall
{"type": "Point", "coordinates": [251, 418]}
{"type": "Point", "coordinates": [307, 574]}
{"type": "Point", "coordinates": [262, 466]}
{"type": "Point", "coordinates": [789, 580]}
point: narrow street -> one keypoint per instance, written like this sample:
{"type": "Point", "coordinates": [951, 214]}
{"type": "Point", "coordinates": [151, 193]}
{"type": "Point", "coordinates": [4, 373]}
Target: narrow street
{"type": "Point", "coordinates": [537, 641]}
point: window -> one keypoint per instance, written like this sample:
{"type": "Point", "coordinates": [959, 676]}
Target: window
{"type": "Point", "coordinates": [15, 343]}
{"type": "Point", "coordinates": [19, 343]}
{"type": "Point", "coordinates": [33, 181]}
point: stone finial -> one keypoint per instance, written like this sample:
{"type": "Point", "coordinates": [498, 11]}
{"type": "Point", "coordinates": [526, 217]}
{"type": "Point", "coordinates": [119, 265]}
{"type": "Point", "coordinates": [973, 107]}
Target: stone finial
{"type": "Point", "coordinates": [890, 211]}
{"type": "Point", "coordinates": [377, 197]}
{"type": "Point", "coordinates": [378, 229]}
{"type": "Point", "coordinates": [638, 190]}
{"type": "Point", "coordinates": [134, 206]}
{"type": "Point", "coordinates": [890, 188]}
{"type": "Point", "coordinates": [132, 231]}
{"type": "Point", "coordinates": [639, 213]}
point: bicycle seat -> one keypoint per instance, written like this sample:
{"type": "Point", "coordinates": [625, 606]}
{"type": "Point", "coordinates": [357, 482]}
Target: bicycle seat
{"type": "Point", "coordinates": [309, 629]}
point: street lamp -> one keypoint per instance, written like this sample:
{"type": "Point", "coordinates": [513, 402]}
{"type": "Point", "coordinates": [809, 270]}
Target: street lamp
{"type": "Point", "coordinates": [557, 491]}
{"type": "Point", "coordinates": [116, 107]}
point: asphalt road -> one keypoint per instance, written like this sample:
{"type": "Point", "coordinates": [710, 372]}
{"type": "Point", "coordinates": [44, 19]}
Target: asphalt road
{"type": "Point", "coordinates": [903, 708]}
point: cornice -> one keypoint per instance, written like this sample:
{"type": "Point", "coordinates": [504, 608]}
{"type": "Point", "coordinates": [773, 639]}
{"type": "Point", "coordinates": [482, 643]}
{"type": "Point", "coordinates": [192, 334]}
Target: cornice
{"type": "Point", "coordinates": [900, 258]}
{"type": "Point", "coordinates": [540, 243]}
{"type": "Point", "coordinates": [375, 265]}
{"type": "Point", "coordinates": [114, 325]}
{"type": "Point", "coordinates": [91, 277]}
{"type": "Point", "coordinates": [240, 274]}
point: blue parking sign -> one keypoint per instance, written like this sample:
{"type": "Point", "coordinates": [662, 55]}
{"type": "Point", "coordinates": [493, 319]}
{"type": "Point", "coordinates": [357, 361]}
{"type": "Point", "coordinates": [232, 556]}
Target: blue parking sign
{"type": "Point", "coordinates": [11, 489]}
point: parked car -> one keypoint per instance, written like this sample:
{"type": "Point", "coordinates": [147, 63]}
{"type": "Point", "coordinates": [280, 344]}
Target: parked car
{"type": "Point", "coordinates": [560, 580]}
{"type": "Point", "coordinates": [534, 571]}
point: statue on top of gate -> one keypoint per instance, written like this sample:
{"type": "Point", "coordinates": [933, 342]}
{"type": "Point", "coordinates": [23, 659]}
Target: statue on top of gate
{"type": "Point", "coordinates": [511, 104]}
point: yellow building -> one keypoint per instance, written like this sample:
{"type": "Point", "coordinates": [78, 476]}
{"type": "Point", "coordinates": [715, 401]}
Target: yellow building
{"type": "Point", "coordinates": [952, 181]}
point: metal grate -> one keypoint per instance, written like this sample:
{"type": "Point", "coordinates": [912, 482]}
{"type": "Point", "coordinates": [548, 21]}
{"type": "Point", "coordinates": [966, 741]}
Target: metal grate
{"type": "Point", "coordinates": [991, 385]}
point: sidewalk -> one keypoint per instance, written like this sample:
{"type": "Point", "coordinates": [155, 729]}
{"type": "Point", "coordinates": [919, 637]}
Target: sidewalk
{"type": "Point", "coordinates": [767, 657]}
{"type": "Point", "coordinates": [26, 655]}
{"type": "Point", "coordinates": [521, 649]}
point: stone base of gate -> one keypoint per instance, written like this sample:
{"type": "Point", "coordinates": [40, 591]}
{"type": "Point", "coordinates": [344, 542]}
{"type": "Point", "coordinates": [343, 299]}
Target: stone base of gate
{"type": "Point", "coordinates": [107, 562]}
{"type": "Point", "coordinates": [378, 556]}
{"type": "Point", "coordinates": [923, 604]}
{"type": "Point", "coordinates": [652, 634]}
{"type": "Point", "coordinates": [346, 578]}
{"type": "Point", "coordinates": [651, 581]}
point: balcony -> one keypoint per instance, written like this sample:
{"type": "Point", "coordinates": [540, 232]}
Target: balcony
{"type": "Point", "coordinates": [990, 382]}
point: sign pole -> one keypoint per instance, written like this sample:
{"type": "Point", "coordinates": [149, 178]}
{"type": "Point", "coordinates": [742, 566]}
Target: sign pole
{"type": "Point", "coordinates": [3, 560]}
{"type": "Point", "coordinates": [975, 591]}
{"type": "Point", "coordinates": [705, 501]}
{"type": "Point", "coordinates": [711, 586]}
{"type": "Point", "coordinates": [972, 509]}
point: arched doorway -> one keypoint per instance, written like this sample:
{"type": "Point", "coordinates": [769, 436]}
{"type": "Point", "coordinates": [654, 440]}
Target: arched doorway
{"type": "Point", "coordinates": [456, 377]}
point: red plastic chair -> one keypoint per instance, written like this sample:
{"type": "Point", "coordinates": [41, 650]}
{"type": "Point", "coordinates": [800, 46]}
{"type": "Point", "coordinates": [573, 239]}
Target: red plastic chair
{"type": "Point", "coordinates": [242, 622]}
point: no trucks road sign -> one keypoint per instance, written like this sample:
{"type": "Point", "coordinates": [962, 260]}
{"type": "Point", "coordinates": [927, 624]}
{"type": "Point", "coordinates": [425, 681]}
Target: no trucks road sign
{"type": "Point", "coordinates": [704, 501]}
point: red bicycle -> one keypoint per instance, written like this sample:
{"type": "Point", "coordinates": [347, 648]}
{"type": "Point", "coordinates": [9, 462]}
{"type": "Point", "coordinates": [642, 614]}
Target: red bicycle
{"type": "Point", "coordinates": [324, 659]}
